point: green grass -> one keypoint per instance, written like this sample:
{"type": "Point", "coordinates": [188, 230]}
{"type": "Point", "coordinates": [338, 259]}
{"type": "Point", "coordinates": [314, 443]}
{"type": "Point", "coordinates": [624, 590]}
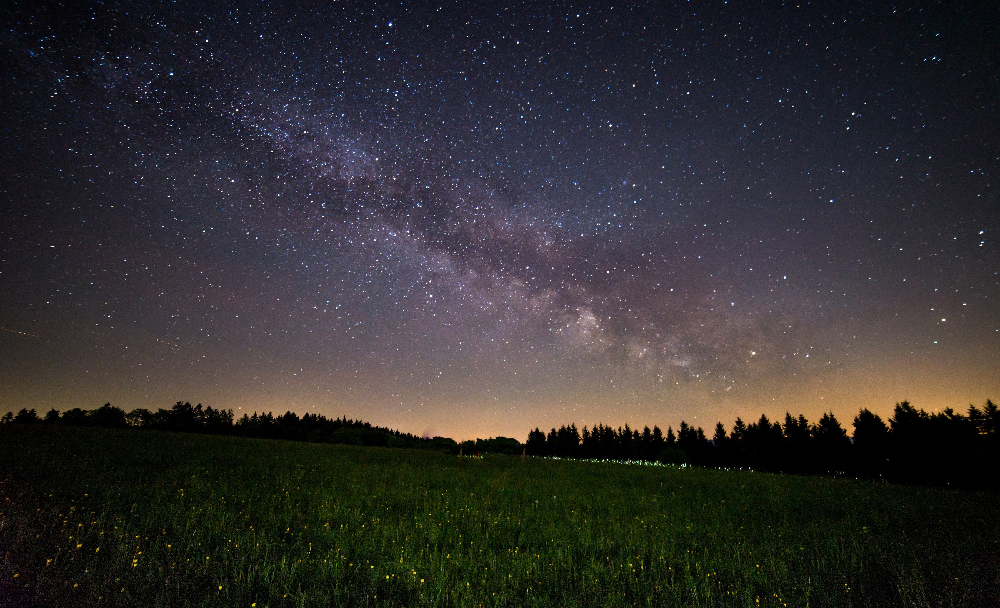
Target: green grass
{"type": "Point", "coordinates": [131, 518]}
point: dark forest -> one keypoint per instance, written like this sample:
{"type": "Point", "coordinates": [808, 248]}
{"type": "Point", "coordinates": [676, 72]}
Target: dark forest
{"type": "Point", "coordinates": [945, 449]}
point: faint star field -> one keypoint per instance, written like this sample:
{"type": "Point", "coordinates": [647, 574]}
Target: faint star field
{"type": "Point", "coordinates": [472, 220]}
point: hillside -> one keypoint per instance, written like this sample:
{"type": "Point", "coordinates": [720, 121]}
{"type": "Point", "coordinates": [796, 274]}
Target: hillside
{"type": "Point", "coordinates": [107, 517]}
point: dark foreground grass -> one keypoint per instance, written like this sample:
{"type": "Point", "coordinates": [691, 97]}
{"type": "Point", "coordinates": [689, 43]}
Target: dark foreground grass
{"type": "Point", "coordinates": [129, 518]}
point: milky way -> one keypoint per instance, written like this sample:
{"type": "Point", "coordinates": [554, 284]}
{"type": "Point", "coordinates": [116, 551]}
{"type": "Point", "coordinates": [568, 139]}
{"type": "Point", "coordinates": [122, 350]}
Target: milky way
{"type": "Point", "coordinates": [472, 222]}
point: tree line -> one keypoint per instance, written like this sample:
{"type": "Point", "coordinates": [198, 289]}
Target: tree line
{"type": "Point", "coordinates": [186, 418]}
{"type": "Point", "coordinates": [944, 448]}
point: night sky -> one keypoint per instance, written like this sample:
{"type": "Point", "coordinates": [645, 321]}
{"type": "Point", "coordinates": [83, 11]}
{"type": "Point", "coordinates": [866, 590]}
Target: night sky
{"type": "Point", "coordinates": [461, 220]}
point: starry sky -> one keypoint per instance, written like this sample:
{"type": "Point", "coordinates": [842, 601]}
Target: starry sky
{"type": "Point", "coordinates": [472, 219]}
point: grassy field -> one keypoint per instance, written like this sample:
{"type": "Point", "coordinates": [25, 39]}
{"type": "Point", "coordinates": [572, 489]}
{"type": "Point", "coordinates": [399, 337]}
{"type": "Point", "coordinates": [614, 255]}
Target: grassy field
{"type": "Point", "coordinates": [130, 518]}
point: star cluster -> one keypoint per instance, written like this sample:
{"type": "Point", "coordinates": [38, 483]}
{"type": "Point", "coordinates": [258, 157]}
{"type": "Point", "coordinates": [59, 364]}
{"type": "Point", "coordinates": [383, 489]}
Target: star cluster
{"type": "Point", "coordinates": [471, 221]}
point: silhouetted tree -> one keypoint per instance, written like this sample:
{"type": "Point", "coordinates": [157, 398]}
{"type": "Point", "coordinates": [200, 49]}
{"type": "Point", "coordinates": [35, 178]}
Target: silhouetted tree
{"type": "Point", "coordinates": [552, 443]}
{"type": "Point", "coordinates": [74, 417]}
{"type": "Point", "coordinates": [288, 426]}
{"type": "Point", "coordinates": [720, 443]}
{"type": "Point", "coordinates": [498, 445]}
{"type": "Point", "coordinates": [991, 419]}
{"type": "Point", "coordinates": [566, 442]}
{"type": "Point", "coordinates": [445, 445]}
{"type": "Point", "coordinates": [26, 416]}
{"type": "Point", "coordinates": [719, 437]}
{"type": "Point", "coordinates": [644, 450]}
{"type": "Point", "coordinates": [535, 445]}
{"type": "Point", "coordinates": [959, 456]}
{"type": "Point", "coordinates": [694, 444]}
{"type": "Point", "coordinates": [626, 444]}
{"type": "Point", "coordinates": [220, 421]}
{"type": "Point", "coordinates": [591, 447]}
{"type": "Point", "coordinates": [911, 440]}
{"type": "Point", "coordinates": [798, 453]}
{"type": "Point", "coordinates": [737, 455]}
{"type": "Point", "coordinates": [658, 442]}
{"type": "Point", "coordinates": [51, 417]}
{"type": "Point", "coordinates": [942, 449]}
{"type": "Point", "coordinates": [108, 416]}
{"type": "Point", "coordinates": [140, 417]}
{"type": "Point", "coordinates": [832, 444]}
{"type": "Point", "coordinates": [182, 417]}
{"type": "Point", "coordinates": [763, 442]}
{"type": "Point", "coordinates": [871, 444]}
{"type": "Point", "coordinates": [988, 425]}
{"type": "Point", "coordinates": [670, 454]}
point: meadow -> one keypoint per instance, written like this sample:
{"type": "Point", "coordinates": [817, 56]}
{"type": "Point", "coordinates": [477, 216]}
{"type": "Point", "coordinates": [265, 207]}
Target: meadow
{"type": "Point", "coordinates": [103, 517]}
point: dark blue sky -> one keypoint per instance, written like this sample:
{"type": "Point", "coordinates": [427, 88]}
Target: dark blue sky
{"type": "Point", "coordinates": [471, 221]}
